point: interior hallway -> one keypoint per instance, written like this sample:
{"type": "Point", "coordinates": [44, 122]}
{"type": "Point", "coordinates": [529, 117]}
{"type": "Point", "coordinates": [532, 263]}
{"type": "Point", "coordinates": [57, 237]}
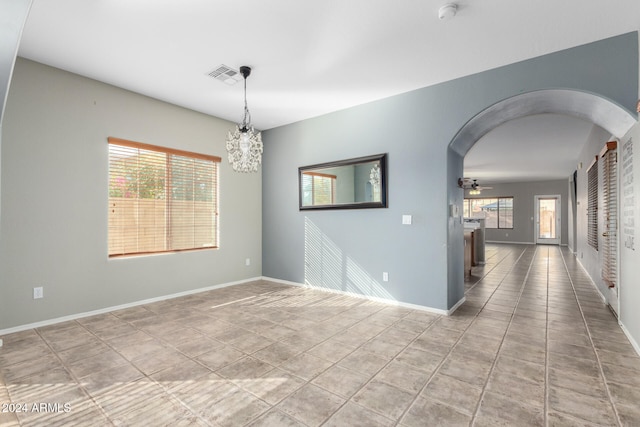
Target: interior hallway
{"type": "Point", "coordinates": [533, 345]}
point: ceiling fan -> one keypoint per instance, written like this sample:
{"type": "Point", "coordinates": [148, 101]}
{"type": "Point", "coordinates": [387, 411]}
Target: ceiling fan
{"type": "Point", "coordinates": [472, 184]}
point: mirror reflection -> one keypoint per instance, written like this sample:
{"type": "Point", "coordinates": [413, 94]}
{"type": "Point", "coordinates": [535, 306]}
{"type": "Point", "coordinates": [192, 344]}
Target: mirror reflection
{"type": "Point", "coordinates": [353, 183]}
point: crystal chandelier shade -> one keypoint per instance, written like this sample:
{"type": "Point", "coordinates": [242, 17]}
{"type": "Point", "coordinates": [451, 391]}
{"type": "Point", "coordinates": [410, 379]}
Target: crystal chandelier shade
{"type": "Point", "coordinates": [244, 145]}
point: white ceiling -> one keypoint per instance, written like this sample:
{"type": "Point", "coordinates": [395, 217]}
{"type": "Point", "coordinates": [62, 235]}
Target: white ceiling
{"type": "Point", "coordinates": [308, 58]}
{"type": "Point", "coordinates": [531, 148]}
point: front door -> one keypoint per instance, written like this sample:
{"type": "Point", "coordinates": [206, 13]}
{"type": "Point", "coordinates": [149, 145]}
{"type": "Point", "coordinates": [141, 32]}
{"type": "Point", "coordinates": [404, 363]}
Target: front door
{"type": "Point", "coordinates": [547, 220]}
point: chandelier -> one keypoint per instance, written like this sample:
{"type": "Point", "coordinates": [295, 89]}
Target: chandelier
{"type": "Point", "coordinates": [374, 175]}
{"type": "Point", "coordinates": [244, 145]}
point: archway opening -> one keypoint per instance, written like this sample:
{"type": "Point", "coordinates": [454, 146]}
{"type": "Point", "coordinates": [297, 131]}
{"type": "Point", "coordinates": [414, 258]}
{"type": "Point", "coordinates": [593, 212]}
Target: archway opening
{"type": "Point", "coordinates": [587, 106]}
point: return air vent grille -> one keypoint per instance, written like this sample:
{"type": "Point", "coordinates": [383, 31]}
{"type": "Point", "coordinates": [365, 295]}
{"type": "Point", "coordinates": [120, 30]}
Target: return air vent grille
{"type": "Point", "coordinates": [225, 74]}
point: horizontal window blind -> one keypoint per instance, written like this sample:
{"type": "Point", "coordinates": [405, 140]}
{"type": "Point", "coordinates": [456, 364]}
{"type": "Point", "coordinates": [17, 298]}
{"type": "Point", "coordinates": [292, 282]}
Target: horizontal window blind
{"type": "Point", "coordinates": [318, 188]}
{"type": "Point", "coordinates": [592, 205]}
{"type": "Point", "coordinates": [160, 199]}
{"type": "Point", "coordinates": [610, 214]}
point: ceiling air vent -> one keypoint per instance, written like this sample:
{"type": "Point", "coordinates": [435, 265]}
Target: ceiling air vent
{"type": "Point", "coordinates": [225, 74]}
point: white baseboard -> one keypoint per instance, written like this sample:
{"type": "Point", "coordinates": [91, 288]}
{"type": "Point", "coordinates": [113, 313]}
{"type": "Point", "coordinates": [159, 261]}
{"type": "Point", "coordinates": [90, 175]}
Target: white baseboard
{"type": "Point", "coordinates": [604, 299]}
{"type": "Point", "coordinates": [510, 243]}
{"type": "Point", "coordinates": [519, 243]}
{"type": "Point", "coordinates": [120, 307]}
{"type": "Point", "coordinates": [633, 342]}
{"type": "Point", "coordinates": [75, 316]}
{"type": "Point", "coordinates": [372, 298]}
{"type": "Point", "coordinates": [456, 306]}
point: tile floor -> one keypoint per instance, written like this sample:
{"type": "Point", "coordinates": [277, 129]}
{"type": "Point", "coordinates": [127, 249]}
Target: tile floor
{"type": "Point", "coordinates": [532, 345]}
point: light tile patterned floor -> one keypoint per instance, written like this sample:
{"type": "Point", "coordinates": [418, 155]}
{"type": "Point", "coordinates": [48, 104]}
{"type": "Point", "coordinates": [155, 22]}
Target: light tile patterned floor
{"type": "Point", "coordinates": [533, 345]}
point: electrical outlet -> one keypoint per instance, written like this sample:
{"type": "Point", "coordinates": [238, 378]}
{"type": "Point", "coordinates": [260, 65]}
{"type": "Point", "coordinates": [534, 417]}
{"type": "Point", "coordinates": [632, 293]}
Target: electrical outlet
{"type": "Point", "coordinates": [38, 292]}
{"type": "Point", "coordinates": [385, 276]}
{"type": "Point", "coordinates": [247, 262]}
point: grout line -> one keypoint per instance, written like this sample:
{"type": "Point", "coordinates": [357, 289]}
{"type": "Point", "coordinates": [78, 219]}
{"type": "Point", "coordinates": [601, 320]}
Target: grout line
{"type": "Point", "coordinates": [144, 375]}
{"type": "Point", "coordinates": [495, 360]}
{"type": "Point", "coordinates": [488, 272]}
{"type": "Point", "coordinates": [4, 392]}
{"type": "Point", "coordinates": [546, 350]}
{"type": "Point", "coordinates": [347, 400]}
{"type": "Point", "coordinates": [508, 254]}
{"type": "Point", "coordinates": [167, 345]}
{"type": "Point", "coordinates": [438, 318]}
{"type": "Point", "coordinates": [455, 344]}
{"type": "Point", "coordinates": [593, 347]}
{"type": "Point", "coordinates": [546, 354]}
{"type": "Point", "coordinates": [72, 375]}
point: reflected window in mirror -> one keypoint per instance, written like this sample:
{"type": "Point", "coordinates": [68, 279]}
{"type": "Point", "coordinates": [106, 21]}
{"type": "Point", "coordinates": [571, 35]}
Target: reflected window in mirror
{"type": "Point", "coordinates": [318, 188]}
{"type": "Point", "coordinates": [345, 184]}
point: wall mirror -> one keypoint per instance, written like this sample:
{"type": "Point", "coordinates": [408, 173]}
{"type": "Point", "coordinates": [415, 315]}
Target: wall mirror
{"type": "Point", "coordinates": [345, 184]}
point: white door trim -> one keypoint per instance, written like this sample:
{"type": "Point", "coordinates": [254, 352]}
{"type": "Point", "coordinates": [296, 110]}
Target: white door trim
{"type": "Point", "coordinates": [536, 223]}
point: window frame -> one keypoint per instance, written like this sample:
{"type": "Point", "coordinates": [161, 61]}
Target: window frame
{"type": "Point", "coordinates": [169, 211]}
{"type": "Point", "coordinates": [466, 207]}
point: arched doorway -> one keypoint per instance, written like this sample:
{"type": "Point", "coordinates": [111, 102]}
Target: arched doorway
{"type": "Point", "coordinates": [587, 106]}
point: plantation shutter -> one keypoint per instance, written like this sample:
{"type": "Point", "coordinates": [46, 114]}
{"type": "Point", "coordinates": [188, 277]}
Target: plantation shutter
{"type": "Point", "coordinates": [160, 199]}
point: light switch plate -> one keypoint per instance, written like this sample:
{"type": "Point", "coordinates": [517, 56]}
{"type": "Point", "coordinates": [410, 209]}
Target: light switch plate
{"type": "Point", "coordinates": [406, 219]}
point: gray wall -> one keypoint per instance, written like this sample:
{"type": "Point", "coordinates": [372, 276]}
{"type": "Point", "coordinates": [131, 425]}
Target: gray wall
{"type": "Point", "coordinates": [630, 257]}
{"type": "Point", "coordinates": [455, 230]}
{"type": "Point", "coordinates": [415, 129]}
{"type": "Point", "coordinates": [13, 15]}
{"type": "Point", "coordinates": [523, 194]}
{"type": "Point", "coordinates": [344, 183]}
{"type": "Point", "coordinates": [54, 198]}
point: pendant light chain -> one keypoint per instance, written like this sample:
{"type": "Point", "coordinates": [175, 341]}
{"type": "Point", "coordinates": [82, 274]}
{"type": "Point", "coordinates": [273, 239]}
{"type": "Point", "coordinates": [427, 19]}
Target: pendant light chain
{"type": "Point", "coordinates": [247, 113]}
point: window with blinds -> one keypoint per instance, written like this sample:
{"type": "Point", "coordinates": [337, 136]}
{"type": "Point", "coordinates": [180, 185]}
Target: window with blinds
{"type": "Point", "coordinates": [592, 205]}
{"type": "Point", "coordinates": [160, 199]}
{"type": "Point", "coordinates": [610, 214]}
{"type": "Point", "coordinates": [318, 189]}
